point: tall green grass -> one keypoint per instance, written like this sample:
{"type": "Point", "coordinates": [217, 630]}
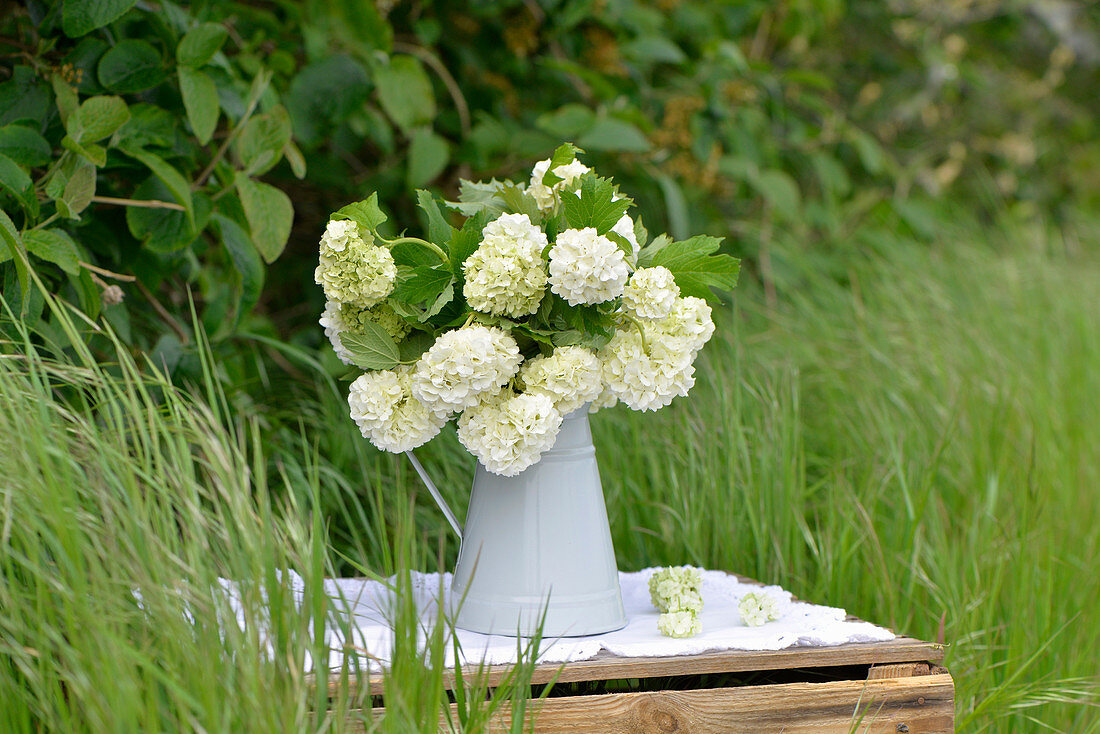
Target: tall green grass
{"type": "Point", "coordinates": [922, 442]}
{"type": "Point", "coordinates": [914, 441]}
{"type": "Point", "coordinates": [125, 502]}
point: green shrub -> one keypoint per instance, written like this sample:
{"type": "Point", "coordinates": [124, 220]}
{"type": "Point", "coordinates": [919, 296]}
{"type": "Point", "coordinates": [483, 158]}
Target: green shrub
{"type": "Point", "coordinates": [131, 142]}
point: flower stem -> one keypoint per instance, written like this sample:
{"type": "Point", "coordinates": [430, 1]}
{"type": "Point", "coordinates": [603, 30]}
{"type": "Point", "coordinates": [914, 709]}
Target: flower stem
{"type": "Point", "coordinates": [641, 332]}
{"type": "Point", "coordinates": [416, 241]}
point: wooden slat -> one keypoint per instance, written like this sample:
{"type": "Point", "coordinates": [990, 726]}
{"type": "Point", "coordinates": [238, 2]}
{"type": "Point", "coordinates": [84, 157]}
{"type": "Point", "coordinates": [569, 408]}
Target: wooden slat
{"type": "Point", "coordinates": [914, 704]}
{"type": "Point", "coordinates": [610, 667]}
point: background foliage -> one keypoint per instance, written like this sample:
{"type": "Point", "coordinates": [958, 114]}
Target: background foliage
{"type": "Point", "coordinates": [771, 122]}
{"type": "Point", "coordinates": [910, 356]}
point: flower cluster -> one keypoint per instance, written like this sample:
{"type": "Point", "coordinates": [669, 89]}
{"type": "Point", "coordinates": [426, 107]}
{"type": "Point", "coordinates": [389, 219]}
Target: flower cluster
{"type": "Point", "coordinates": [758, 609]}
{"type": "Point", "coordinates": [463, 365]}
{"type": "Point", "coordinates": [351, 269]}
{"type": "Point", "coordinates": [649, 365]}
{"type": "Point", "coordinates": [547, 197]}
{"type": "Point", "coordinates": [508, 432]}
{"type": "Point", "coordinates": [383, 406]}
{"type": "Point", "coordinates": [586, 267]}
{"type": "Point", "coordinates": [677, 593]}
{"type": "Point", "coordinates": [549, 298]}
{"type": "Point", "coordinates": [570, 377]}
{"type": "Point", "coordinates": [506, 275]}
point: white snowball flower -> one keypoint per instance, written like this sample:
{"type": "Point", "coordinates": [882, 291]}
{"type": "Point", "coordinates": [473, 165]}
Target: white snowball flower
{"type": "Point", "coordinates": [506, 274]}
{"type": "Point", "coordinates": [508, 432]}
{"type": "Point", "coordinates": [334, 326]}
{"type": "Point", "coordinates": [570, 377]}
{"type": "Point", "coordinates": [758, 609]}
{"type": "Point", "coordinates": [373, 397]}
{"type": "Point", "coordinates": [625, 227]}
{"type": "Point", "coordinates": [646, 376]}
{"type": "Point", "coordinates": [387, 413]}
{"type": "Point", "coordinates": [676, 589]}
{"type": "Point", "coordinates": [546, 197]}
{"type": "Point", "coordinates": [463, 364]}
{"type": "Point", "coordinates": [689, 324]}
{"type": "Point", "coordinates": [352, 270]}
{"type": "Point", "coordinates": [679, 624]}
{"type": "Point", "coordinates": [586, 267]}
{"type": "Point", "coordinates": [606, 398]}
{"type": "Point", "coordinates": [650, 293]}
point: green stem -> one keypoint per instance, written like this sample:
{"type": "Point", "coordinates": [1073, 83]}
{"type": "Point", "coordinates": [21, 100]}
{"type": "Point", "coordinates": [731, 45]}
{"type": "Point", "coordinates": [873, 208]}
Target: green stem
{"type": "Point", "coordinates": [417, 241]}
{"type": "Point", "coordinates": [46, 221]}
{"type": "Point", "coordinates": [641, 332]}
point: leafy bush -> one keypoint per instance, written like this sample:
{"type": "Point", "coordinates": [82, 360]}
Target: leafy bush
{"type": "Point", "coordinates": [131, 142]}
{"type": "Point", "coordinates": [818, 128]}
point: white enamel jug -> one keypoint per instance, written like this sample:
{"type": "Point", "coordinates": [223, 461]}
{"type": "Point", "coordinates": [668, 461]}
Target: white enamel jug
{"type": "Point", "coordinates": [538, 543]}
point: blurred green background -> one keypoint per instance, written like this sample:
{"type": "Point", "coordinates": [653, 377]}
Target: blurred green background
{"type": "Point", "coordinates": [897, 414]}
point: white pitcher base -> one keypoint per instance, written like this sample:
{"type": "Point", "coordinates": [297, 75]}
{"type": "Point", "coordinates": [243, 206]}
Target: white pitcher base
{"type": "Point", "coordinates": [575, 616]}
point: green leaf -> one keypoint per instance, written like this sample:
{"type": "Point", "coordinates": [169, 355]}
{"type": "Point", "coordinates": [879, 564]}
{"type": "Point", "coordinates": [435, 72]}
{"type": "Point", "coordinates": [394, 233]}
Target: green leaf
{"type": "Point", "coordinates": [414, 345]}
{"type": "Point", "coordinates": [779, 190]}
{"type": "Point", "coordinates": [97, 118]}
{"type": "Point", "coordinates": [263, 140]}
{"type": "Point", "coordinates": [464, 241]}
{"type": "Point", "coordinates": [91, 302]}
{"type": "Point", "coordinates": [428, 156]}
{"type": "Point", "coordinates": [366, 213]}
{"type": "Point", "coordinates": [360, 23]}
{"type": "Point", "coordinates": [270, 215]}
{"type": "Point", "coordinates": [162, 230]}
{"type": "Point", "coordinates": [200, 99]}
{"type": "Point", "coordinates": [475, 197]}
{"type": "Point", "coordinates": [200, 44]}
{"type": "Point", "coordinates": [245, 259]}
{"type": "Point", "coordinates": [54, 246]}
{"type": "Point", "coordinates": [131, 66]}
{"type": "Point", "coordinates": [323, 95]}
{"type": "Point", "coordinates": [67, 100]}
{"type": "Point", "coordinates": [439, 231]}
{"type": "Point", "coordinates": [645, 257]}
{"type": "Point", "coordinates": [296, 160]}
{"type": "Point", "coordinates": [24, 146]}
{"type": "Point", "coordinates": [24, 97]}
{"type": "Point", "coordinates": [18, 255]}
{"type": "Point", "coordinates": [405, 92]}
{"type": "Point", "coordinates": [612, 134]}
{"type": "Point", "coordinates": [79, 17]}
{"type": "Point", "coordinates": [567, 121]}
{"type": "Point", "coordinates": [171, 178]}
{"type": "Point", "coordinates": [15, 181]}
{"type": "Point", "coordinates": [94, 154]}
{"type": "Point", "coordinates": [565, 153]}
{"type": "Point", "coordinates": [518, 201]}
{"type": "Point", "coordinates": [425, 284]}
{"type": "Point", "coordinates": [596, 206]}
{"type": "Point", "coordinates": [149, 127]}
{"type": "Point", "coordinates": [374, 349]}
{"type": "Point", "coordinates": [78, 192]}
{"type": "Point", "coordinates": [696, 268]}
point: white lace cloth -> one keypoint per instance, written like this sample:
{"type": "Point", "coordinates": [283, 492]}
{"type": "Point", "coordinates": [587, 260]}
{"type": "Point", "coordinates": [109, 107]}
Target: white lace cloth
{"type": "Point", "coordinates": [362, 606]}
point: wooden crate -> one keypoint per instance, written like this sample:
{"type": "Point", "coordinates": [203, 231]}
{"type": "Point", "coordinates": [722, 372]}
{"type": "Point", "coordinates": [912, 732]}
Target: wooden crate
{"type": "Point", "coordinates": [894, 686]}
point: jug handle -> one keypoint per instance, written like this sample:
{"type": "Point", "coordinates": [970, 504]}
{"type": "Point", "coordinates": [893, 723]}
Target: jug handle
{"type": "Point", "coordinates": [435, 494]}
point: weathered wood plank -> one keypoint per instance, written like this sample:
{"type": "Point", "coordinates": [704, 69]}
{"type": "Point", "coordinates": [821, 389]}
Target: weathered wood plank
{"type": "Point", "coordinates": [610, 667]}
{"type": "Point", "coordinates": [913, 704]}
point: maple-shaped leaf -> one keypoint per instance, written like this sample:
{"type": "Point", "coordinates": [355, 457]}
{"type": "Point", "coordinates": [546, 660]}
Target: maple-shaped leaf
{"type": "Point", "coordinates": [599, 204]}
{"type": "Point", "coordinates": [696, 267]}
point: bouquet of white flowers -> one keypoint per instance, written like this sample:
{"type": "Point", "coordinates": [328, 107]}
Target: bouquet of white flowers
{"type": "Point", "coordinates": [547, 298]}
